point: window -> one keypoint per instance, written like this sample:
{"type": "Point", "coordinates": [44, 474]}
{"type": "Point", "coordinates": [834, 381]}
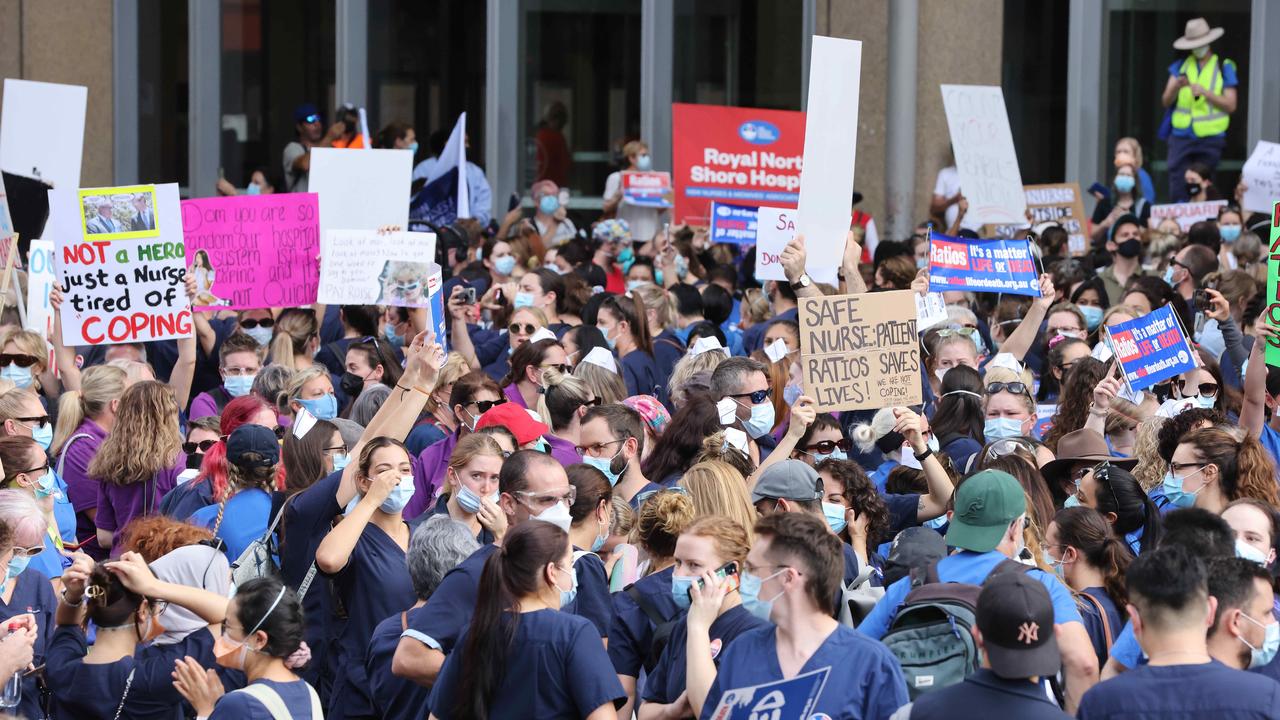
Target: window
{"type": "Point", "coordinates": [727, 53]}
{"type": "Point", "coordinates": [1035, 85]}
{"type": "Point", "coordinates": [162, 91]}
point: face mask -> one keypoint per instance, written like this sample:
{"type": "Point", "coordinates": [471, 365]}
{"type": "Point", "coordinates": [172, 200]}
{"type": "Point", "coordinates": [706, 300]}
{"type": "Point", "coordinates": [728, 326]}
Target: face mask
{"type": "Point", "coordinates": [351, 384]}
{"type": "Point", "coordinates": [680, 585]}
{"type": "Point", "coordinates": [340, 462]}
{"type": "Point", "coordinates": [1249, 552]}
{"type": "Point", "coordinates": [194, 460]}
{"type": "Point", "coordinates": [657, 278]}
{"type": "Point", "coordinates": [468, 500]}
{"type": "Point", "coordinates": [1092, 316]}
{"type": "Point", "coordinates": [558, 515]}
{"type": "Point", "coordinates": [749, 590]}
{"type": "Point", "coordinates": [633, 284]}
{"type": "Point", "coordinates": [260, 335]}
{"type": "Point", "coordinates": [413, 147]}
{"type": "Point", "coordinates": [605, 465]}
{"type": "Point", "coordinates": [324, 407]}
{"type": "Point", "coordinates": [1124, 183]}
{"type": "Point", "coordinates": [791, 393]}
{"type": "Point", "coordinates": [936, 523]}
{"type": "Point", "coordinates": [1206, 403]}
{"type": "Point", "coordinates": [1229, 233]}
{"type": "Point", "coordinates": [626, 256]}
{"type": "Point", "coordinates": [394, 339]}
{"type": "Point", "coordinates": [523, 299]}
{"type": "Point", "coordinates": [600, 540]}
{"type": "Point", "coordinates": [16, 566]}
{"type": "Point", "coordinates": [1000, 428]}
{"type": "Point", "coordinates": [399, 496]}
{"type": "Point", "coordinates": [43, 435]}
{"type": "Point", "coordinates": [1270, 644]}
{"type": "Point", "coordinates": [1173, 490]}
{"type": "Point", "coordinates": [229, 653]}
{"type": "Point", "coordinates": [1055, 564]}
{"type": "Point", "coordinates": [1168, 275]}
{"type": "Point", "coordinates": [609, 340]}
{"type": "Point", "coordinates": [835, 516]}
{"type": "Point", "coordinates": [1200, 52]}
{"type": "Point", "coordinates": [238, 385]}
{"type": "Point", "coordinates": [643, 162]}
{"type": "Point", "coordinates": [543, 446]}
{"type": "Point", "coordinates": [1130, 248]}
{"type": "Point", "coordinates": [1193, 189]}
{"type": "Point", "coordinates": [46, 485]}
{"type": "Point", "coordinates": [940, 373]}
{"type": "Point", "coordinates": [505, 264]}
{"type": "Point", "coordinates": [567, 596]}
{"type": "Point", "coordinates": [253, 189]}
{"type": "Point", "coordinates": [20, 376]}
{"type": "Point", "coordinates": [549, 204]}
{"type": "Point", "coordinates": [836, 454]}
{"type": "Point", "coordinates": [922, 263]}
{"type": "Point", "coordinates": [761, 420]}
{"type": "Point", "coordinates": [1072, 500]}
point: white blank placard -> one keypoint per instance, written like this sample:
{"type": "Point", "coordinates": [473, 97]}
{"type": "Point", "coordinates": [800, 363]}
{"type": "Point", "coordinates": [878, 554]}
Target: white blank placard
{"type": "Point", "coordinates": [42, 131]}
{"type": "Point", "coordinates": [361, 189]}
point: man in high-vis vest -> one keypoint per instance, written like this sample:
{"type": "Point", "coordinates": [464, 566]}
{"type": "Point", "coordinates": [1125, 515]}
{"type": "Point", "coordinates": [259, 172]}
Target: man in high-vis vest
{"type": "Point", "coordinates": [1201, 93]}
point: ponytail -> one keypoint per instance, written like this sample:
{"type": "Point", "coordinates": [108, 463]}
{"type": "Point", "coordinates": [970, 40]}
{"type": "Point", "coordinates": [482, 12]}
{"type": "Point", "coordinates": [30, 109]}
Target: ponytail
{"type": "Point", "coordinates": [1086, 530]}
{"type": "Point", "coordinates": [99, 385]}
{"type": "Point", "coordinates": [70, 416]}
{"type": "Point", "coordinates": [562, 395]}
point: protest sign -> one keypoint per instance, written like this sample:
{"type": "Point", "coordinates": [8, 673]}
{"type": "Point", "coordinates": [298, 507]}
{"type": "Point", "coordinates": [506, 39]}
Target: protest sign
{"type": "Point", "coordinates": [6, 220]}
{"type": "Point", "coordinates": [1272, 313]}
{"type": "Point", "coordinates": [985, 157]}
{"type": "Point", "coordinates": [743, 156]}
{"type": "Point", "coordinates": [1060, 203]}
{"type": "Point", "coordinates": [931, 309]}
{"type": "Point", "coordinates": [361, 190]}
{"type": "Point", "coordinates": [253, 251]}
{"type": "Point", "coordinates": [42, 131]}
{"type": "Point", "coordinates": [1151, 349]}
{"type": "Point", "coordinates": [1261, 176]}
{"type": "Point", "coordinates": [1002, 266]}
{"type": "Point", "coordinates": [445, 196]}
{"type": "Point", "coordinates": [774, 229]}
{"type": "Point", "coordinates": [365, 267]}
{"type": "Point", "coordinates": [830, 145]}
{"type": "Point", "coordinates": [732, 224]}
{"type": "Point", "coordinates": [40, 279]}
{"type": "Point", "coordinates": [121, 262]}
{"type": "Point", "coordinates": [646, 189]}
{"type": "Point", "coordinates": [790, 699]}
{"type": "Point", "coordinates": [1187, 214]}
{"type": "Point", "coordinates": [860, 352]}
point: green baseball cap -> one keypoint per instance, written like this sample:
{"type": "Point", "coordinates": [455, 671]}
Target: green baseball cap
{"type": "Point", "coordinates": [985, 504]}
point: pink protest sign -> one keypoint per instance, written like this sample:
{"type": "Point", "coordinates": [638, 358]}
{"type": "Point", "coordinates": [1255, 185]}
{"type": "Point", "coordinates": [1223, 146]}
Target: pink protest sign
{"type": "Point", "coordinates": [253, 251]}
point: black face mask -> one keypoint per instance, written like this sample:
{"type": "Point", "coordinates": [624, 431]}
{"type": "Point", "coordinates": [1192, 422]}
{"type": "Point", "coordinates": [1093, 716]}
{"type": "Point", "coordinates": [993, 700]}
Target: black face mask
{"type": "Point", "coordinates": [1130, 248]}
{"type": "Point", "coordinates": [1193, 189]}
{"type": "Point", "coordinates": [194, 460]}
{"type": "Point", "coordinates": [351, 384]}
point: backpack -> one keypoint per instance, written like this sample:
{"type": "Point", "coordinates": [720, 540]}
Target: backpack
{"type": "Point", "coordinates": [857, 598]}
{"type": "Point", "coordinates": [259, 558]}
{"type": "Point", "coordinates": [662, 628]}
{"type": "Point", "coordinates": [932, 632]}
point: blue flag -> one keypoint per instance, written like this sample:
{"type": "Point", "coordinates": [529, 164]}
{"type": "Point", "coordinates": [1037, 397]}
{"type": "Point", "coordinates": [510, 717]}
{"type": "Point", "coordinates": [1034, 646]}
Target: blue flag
{"type": "Point", "coordinates": [999, 266]}
{"type": "Point", "coordinates": [444, 197]}
{"type": "Point", "coordinates": [1151, 349]}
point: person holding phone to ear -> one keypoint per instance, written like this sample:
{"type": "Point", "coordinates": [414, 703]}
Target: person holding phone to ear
{"type": "Point", "coordinates": [709, 557]}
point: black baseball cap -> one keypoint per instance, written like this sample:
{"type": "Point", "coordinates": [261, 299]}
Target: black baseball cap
{"type": "Point", "coordinates": [251, 446]}
{"type": "Point", "coordinates": [915, 548]}
{"type": "Point", "coordinates": [1015, 616]}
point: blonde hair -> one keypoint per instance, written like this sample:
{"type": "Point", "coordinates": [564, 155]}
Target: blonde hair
{"type": "Point", "coordinates": [30, 343]}
{"type": "Point", "coordinates": [865, 435]}
{"type": "Point", "coordinates": [473, 446]}
{"type": "Point", "coordinates": [718, 489]}
{"type": "Point", "coordinates": [12, 402]}
{"type": "Point", "coordinates": [657, 300]}
{"type": "Point", "coordinates": [1135, 149]}
{"type": "Point", "coordinates": [685, 370]}
{"type": "Point", "coordinates": [624, 516]}
{"type": "Point", "coordinates": [607, 386]}
{"type": "Point", "coordinates": [99, 385]}
{"type": "Point", "coordinates": [1005, 375]}
{"type": "Point", "coordinates": [661, 519]}
{"type": "Point", "coordinates": [455, 366]}
{"type": "Point", "coordinates": [133, 370]}
{"type": "Point", "coordinates": [754, 306]}
{"type": "Point", "coordinates": [144, 439]}
{"type": "Point", "coordinates": [294, 329]}
{"type": "Point", "coordinates": [300, 378]}
{"type": "Point", "coordinates": [714, 447]}
{"type": "Point", "coordinates": [561, 396]}
{"type": "Point", "coordinates": [732, 538]}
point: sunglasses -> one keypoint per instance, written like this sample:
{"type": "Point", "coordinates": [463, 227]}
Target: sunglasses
{"type": "Point", "coordinates": [203, 446]}
{"type": "Point", "coordinates": [485, 405]}
{"type": "Point", "coordinates": [28, 551]}
{"type": "Point", "coordinates": [19, 359]}
{"type": "Point", "coordinates": [40, 420]}
{"type": "Point", "coordinates": [757, 397]}
{"type": "Point", "coordinates": [1016, 388]}
{"type": "Point", "coordinates": [528, 328]}
{"type": "Point", "coordinates": [593, 402]}
{"type": "Point", "coordinates": [826, 447]}
{"type": "Point", "coordinates": [562, 367]}
{"type": "Point", "coordinates": [250, 323]}
{"type": "Point", "coordinates": [1208, 389]}
{"type": "Point", "coordinates": [1010, 446]}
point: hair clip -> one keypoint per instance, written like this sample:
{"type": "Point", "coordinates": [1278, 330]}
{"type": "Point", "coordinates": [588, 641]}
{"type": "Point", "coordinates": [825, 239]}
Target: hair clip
{"type": "Point", "coordinates": [95, 591]}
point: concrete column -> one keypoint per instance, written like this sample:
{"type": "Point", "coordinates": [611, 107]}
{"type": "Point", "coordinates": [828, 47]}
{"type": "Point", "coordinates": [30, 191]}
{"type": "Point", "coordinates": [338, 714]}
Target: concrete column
{"type": "Point", "coordinates": [900, 125]}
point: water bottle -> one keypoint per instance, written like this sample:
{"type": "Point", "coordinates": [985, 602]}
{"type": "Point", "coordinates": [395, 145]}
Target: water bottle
{"type": "Point", "coordinates": [12, 694]}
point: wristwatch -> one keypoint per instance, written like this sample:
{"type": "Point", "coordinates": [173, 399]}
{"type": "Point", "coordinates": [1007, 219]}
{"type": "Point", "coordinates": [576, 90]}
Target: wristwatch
{"type": "Point", "coordinates": [921, 456]}
{"type": "Point", "coordinates": [802, 282]}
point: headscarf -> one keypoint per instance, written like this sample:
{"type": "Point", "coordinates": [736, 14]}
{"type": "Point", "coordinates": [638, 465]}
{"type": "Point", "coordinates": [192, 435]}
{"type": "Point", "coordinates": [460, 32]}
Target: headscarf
{"type": "Point", "coordinates": [198, 566]}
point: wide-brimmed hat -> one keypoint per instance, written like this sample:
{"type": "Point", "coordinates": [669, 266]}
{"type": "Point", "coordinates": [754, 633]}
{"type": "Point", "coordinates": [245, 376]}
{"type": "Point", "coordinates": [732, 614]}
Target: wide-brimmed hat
{"type": "Point", "coordinates": [1083, 445]}
{"type": "Point", "coordinates": [1197, 34]}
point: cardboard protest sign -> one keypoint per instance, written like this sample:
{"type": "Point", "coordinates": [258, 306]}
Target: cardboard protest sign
{"type": "Point", "coordinates": [830, 146]}
{"type": "Point", "coordinates": [1060, 203]}
{"type": "Point", "coordinates": [1272, 312]}
{"type": "Point", "coordinates": [743, 156]}
{"type": "Point", "coordinates": [253, 251]}
{"type": "Point", "coordinates": [1187, 214]}
{"type": "Point", "coordinates": [361, 190]}
{"type": "Point", "coordinates": [985, 157]}
{"type": "Point", "coordinates": [791, 699]}
{"type": "Point", "coordinates": [733, 224]}
{"type": "Point", "coordinates": [1261, 176]}
{"type": "Point", "coordinates": [40, 280]}
{"type": "Point", "coordinates": [1003, 266]}
{"type": "Point", "coordinates": [774, 229]}
{"type": "Point", "coordinates": [860, 352]}
{"type": "Point", "coordinates": [364, 267]}
{"type": "Point", "coordinates": [42, 131]}
{"type": "Point", "coordinates": [122, 264]}
{"type": "Point", "coordinates": [646, 189]}
{"type": "Point", "coordinates": [1151, 349]}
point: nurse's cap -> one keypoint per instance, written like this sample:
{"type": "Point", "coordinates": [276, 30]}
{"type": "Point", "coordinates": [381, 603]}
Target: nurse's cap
{"type": "Point", "coordinates": [1015, 616]}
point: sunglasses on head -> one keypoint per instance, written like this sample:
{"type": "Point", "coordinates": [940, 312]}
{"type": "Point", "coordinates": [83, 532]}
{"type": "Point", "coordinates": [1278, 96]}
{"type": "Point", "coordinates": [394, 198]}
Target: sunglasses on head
{"type": "Point", "coordinates": [203, 446]}
{"type": "Point", "coordinates": [20, 359]}
{"type": "Point", "coordinates": [527, 328]}
{"type": "Point", "coordinates": [826, 447]}
{"type": "Point", "coordinates": [1016, 388]}
{"type": "Point", "coordinates": [250, 323]}
{"type": "Point", "coordinates": [1207, 389]}
{"type": "Point", "coordinates": [311, 119]}
{"type": "Point", "coordinates": [757, 397]}
{"type": "Point", "coordinates": [485, 405]}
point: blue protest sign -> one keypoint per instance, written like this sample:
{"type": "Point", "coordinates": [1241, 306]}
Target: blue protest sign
{"type": "Point", "coordinates": [436, 307]}
{"type": "Point", "coordinates": [1151, 349]}
{"type": "Point", "coordinates": [1000, 266]}
{"type": "Point", "coordinates": [734, 224]}
{"type": "Point", "coordinates": [792, 699]}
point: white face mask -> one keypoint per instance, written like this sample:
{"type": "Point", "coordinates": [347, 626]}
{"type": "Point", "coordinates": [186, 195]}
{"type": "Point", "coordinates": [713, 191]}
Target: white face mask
{"type": "Point", "coordinates": [558, 515]}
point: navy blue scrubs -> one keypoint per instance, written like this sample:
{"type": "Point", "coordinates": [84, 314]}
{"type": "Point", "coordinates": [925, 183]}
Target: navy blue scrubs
{"type": "Point", "coordinates": [484, 537]}
{"type": "Point", "coordinates": [668, 679]}
{"type": "Point", "coordinates": [439, 623]}
{"type": "Point", "coordinates": [557, 668]}
{"type": "Point", "coordinates": [592, 601]}
{"type": "Point", "coordinates": [394, 698]}
{"type": "Point", "coordinates": [242, 706]}
{"type": "Point", "coordinates": [34, 595]}
{"type": "Point", "coordinates": [631, 633]}
{"type": "Point", "coordinates": [308, 516]}
{"type": "Point", "coordinates": [641, 374]}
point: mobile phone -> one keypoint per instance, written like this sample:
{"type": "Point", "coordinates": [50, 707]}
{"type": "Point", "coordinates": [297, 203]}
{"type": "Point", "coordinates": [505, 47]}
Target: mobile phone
{"type": "Point", "coordinates": [469, 295]}
{"type": "Point", "coordinates": [1202, 301]}
{"type": "Point", "coordinates": [513, 202]}
{"type": "Point", "coordinates": [727, 572]}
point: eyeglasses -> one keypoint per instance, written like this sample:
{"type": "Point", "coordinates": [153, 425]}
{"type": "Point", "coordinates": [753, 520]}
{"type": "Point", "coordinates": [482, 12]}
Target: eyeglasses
{"type": "Point", "coordinates": [754, 569]}
{"type": "Point", "coordinates": [757, 397]}
{"type": "Point", "coordinates": [1016, 388]}
{"type": "Point", "coordinates": [250, 323]}
{"type": "Point", "coordinates": [544, 500]}
{"type": "Point", "coordinates": [562, 367]}
{"type": "Point", "coordinates": [527, 328]}
{"type": "Point", "coordinates": [22, 360]}
{"type": "Point", "coordinates": [203, 446]}
{"type": "Point", "coordinates": [591, 450]}
{"type": "Point", "coordinates": [826, 447]}
{"type": "Point", "coordinates": [1010, 446]}
{"type": "Point", "coordinates": [593, 402]}
{"type": "Point", "coordinates": [340, 449]}
{"type": "Point", "coordinates": [485, 405]}
{"type": "Point", "coordinates": [28, 551]}
{"type": "Point", "coordinates": [239, 372]}
{"type": "Point", "coordinates": [1177, 468]}
{"type": "Point", "coordinates": [1079, 474]}
{"type": "Point", "coordinates": [1207, 389]}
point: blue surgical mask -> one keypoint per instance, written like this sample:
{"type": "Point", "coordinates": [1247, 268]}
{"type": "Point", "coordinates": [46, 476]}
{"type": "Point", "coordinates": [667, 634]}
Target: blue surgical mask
{"type": "Point", "coordinates": [340, 462]}
{"type": "Point", "coordinates": [413, 147]}
{"type": "Point", "coordinates": [599, 542]}
{"type": "Point", "coordinates": [253, 189]}
{"type": "Point", "coordinates": [791, 393]}
{"type": "Point", "coordinates": [761, 420]}
{"type": "Point", "coordinates": [523, 299]}
{"type": "Point", "coordinates": [680, 585]}
{"type": "Point", "coordinates": [937, 523]}
{"type": "Point", "coordinates": [468, 500]}
{"type": "Point", "coordinates": [1092, 316]}
{"type": "Point", "coordinates": [43, 435]}
{"type": "Point", "coordinates": [922, 263]}
{"type": "Point", "coordinates": [643, 162]}
{"type": "Point", "coordinates": [1124, 183]}
{"type": "Point", "coordinates": [835, 516]}
{"type": "Point", "coordinates": [324, 407]}
{"type": "Point", "coordinates": [609, 340]}
{"type": "Point", "coordinates": [657, 277]}
{"type": "Point", "coordinates": [605, 465]}
{"type": "Point", "coordinates": [626, 256]}
{"type": "Point", "coordinates": [399, 496]}
{"type": "Point", "coordinates": [260, 335]}
{"type": "Point", "coordinates": [1270, 644]}
{"type": "Point", "coordinates": [46, 485]}
{"type": "Point", "coordinates": [19, 376]}
{"type": "Point", "coordinates": [567, 596]}
{"type": "Point", "coordinates": [1073, 500]}
{"type": "Point", "coordinates": [1000, 428]}
{"type": "Point", "coordinates": [392, 337]}
{"type": "Point", "coordinates": [633, 284]}
{"type": "Point", "coordinates": [749, 591]}
{"type": "Point", "coordinates": [1055, 564]}
{"type": "Point", "coordinates": [16, 566]}
{"type": "Point", "coordinates": [836, 454]}
{"type": "Point", "coordinates": [1178, 497]}
{"type": "Point", "coordinates": [1206, 403]}
{"type": "Point", "coordinates": [238, 385]}
{"type": "Point", "coordinates": [549, 204]}
{"type": "Point", "coordinates": [1168, 275]}
{"type": "Point", "coordinates": [1229, 233]}
{"type": "Point", "coordinates": [505, 264]}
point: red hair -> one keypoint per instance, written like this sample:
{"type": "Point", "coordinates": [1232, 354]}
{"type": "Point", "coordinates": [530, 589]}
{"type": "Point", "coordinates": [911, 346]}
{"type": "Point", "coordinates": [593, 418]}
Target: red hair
{"type": "Point", "coordinates": [240, 411]}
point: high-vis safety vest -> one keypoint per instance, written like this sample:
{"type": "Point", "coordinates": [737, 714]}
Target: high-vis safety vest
{"type": "Point", "coordinates": [1194, 111]}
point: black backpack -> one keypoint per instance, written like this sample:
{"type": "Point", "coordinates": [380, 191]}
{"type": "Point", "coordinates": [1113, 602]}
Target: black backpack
{"type": "Point", "coordinates": [662, 627]}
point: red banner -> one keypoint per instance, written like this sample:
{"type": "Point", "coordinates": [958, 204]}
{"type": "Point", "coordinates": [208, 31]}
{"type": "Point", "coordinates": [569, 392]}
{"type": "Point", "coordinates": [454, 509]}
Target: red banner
{"type": "Point", "coordinates": [742, 156]}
